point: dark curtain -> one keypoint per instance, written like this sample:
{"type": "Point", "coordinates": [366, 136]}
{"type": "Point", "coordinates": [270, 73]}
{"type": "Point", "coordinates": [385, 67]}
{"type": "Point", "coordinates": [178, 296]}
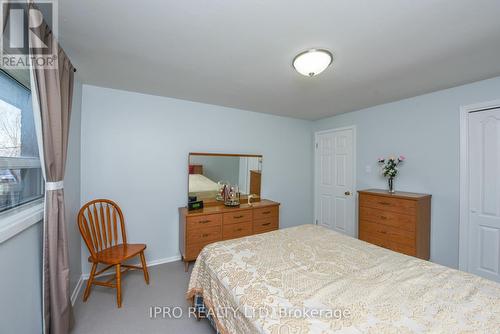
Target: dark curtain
{"type": "Point", "coordinates": [52, 90]}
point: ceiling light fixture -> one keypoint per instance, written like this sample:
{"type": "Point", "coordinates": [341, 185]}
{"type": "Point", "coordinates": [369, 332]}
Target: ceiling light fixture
{"type": "Point", "coordinates": [312, 62]}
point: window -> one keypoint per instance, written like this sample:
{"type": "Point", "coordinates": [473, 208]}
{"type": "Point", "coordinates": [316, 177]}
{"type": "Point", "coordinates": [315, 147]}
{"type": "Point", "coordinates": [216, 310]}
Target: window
{"type": "Point", "coordinates": [21, 178]}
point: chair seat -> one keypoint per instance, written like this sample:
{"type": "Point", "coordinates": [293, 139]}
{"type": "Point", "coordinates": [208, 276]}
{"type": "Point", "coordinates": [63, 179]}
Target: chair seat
{"type": "Point", "coordinates": [118, 253]}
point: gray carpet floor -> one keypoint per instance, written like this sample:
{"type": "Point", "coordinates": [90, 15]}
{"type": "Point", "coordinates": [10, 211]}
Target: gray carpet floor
{"type": "Point", "coordinates": [167, 288]}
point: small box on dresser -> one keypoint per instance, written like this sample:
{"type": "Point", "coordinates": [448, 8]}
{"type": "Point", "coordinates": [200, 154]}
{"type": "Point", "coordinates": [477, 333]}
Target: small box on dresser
{"type": "Point", "coordinates": [399, 221]}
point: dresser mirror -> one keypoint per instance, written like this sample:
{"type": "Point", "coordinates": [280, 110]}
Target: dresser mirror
{"type": "Point", "coordinates": [209, 172]}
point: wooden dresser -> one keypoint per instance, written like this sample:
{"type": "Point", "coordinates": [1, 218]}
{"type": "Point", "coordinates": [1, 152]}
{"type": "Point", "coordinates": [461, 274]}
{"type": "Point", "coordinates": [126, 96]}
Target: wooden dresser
{"type": "Point", "coordinates": [199, 228]}
{"type": "Point", "coordinates": [400, 221]}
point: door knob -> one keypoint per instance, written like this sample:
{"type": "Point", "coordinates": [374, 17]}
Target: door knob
{"type": "Point", "coordinates": [347, 193]}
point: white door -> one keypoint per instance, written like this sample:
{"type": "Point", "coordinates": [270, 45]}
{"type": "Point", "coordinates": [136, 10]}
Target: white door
{"type": "Point", "coordinates": [334, 178]}
{"type": "Point", "coordinates": [484, 194]}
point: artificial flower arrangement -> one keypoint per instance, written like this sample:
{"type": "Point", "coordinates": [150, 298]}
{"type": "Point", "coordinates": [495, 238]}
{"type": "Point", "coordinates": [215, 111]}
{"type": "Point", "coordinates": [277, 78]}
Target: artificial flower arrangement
{"type": "Point", "coordinates": [390, 168]}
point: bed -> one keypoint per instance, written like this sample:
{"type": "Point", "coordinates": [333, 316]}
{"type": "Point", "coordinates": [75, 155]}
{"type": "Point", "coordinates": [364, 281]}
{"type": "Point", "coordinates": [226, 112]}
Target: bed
{"type": "Point", "coordinates": [202, 186]}
{"type": "Point", "coordinates": [309, 279]}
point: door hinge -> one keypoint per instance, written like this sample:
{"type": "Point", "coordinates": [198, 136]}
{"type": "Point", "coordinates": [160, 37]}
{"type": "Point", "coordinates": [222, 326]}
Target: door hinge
{"type": "Point", "coordinates": [316, 222]}
{"type": "Point", "coordinates": [316, 145]}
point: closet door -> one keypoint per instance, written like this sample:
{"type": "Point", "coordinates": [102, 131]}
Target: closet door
{"type": "Point", "coordinates": [484, 194]}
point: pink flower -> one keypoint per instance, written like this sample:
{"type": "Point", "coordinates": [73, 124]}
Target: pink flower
{"type": "Point", "coordinates": [402, 158]}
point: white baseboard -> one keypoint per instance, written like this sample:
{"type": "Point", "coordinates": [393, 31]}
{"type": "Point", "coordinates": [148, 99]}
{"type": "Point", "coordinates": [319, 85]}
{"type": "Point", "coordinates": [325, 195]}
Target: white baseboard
{"type": "Point", "coordinates": [163, 260]}
{"type": "Point", "coordinates": [85, 277]}
{"type": "Point", "coordinates": [76, 290]}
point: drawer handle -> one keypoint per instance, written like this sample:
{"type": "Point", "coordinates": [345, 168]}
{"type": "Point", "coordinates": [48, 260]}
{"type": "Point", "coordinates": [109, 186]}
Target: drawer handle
{"type": "Point", "coordinates": [238, 217]}
{"type": "Point", "coordinates": [204, 221]}
{"type": "Point", "coordinates": [265, 224]}
{"type": "Point", "coordinates": [383, 217]}
{"type": "Point", "coordinates": [266, 212]}
{"type": "Point", "coordinates": [204, 235]}
{"type": "Point", "coordinates": [238, 230]}
{"type": "Point", "coordinates": [384, 203]}
{"type": "Point", "coordinates": [383, 232]}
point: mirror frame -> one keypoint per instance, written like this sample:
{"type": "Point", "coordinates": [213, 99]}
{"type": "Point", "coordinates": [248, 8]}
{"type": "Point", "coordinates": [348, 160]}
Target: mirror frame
{"type": "Point", "coordinates": [215, 202]}
{"type": "Point", "coordinates": [226, 155]}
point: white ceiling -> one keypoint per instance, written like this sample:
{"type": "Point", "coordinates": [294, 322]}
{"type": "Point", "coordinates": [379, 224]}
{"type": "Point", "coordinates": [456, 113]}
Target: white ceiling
{"type": "Point", "coordinates": [238, 53]}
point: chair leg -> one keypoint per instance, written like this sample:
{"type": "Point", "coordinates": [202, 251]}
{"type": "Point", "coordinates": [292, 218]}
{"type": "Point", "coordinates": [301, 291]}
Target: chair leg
{"type": "Point", "coordinates": [118, 285]}
{"type": "Point", "coordinates": [89, 282]}
{"type": "Point", "coordinates": [144, 268]}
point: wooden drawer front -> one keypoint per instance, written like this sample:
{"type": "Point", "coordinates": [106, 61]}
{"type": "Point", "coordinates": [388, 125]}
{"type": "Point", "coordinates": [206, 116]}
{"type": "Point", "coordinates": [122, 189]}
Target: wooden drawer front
{"type": "Point", "coordinates": [238, 230]}
{"type": "Point", "coordinates": [397, 220]}
{"type": "Point", "coordinates": [389, 233]}
{"type": "Point", "coordinates": [373, 239]}
{"type": "Point", "coordinates": [193, 250]}
{"type": "Point", "coordinates": [405, 249]}
{"type": "Point", "coordinates": [206, 234]}
{"type": "Point", "coordinates": [265, 225]}
{"type": "Point", "coordinates": [262, 213]}
{"type": "Point", "coordinates": [238, 217]}
{"type": "Point", "coordinates": [199, 222]}
{"type": "Point", "coordinates": [390, 204]}
{"type": "Point", "coordinates": [376, 240]}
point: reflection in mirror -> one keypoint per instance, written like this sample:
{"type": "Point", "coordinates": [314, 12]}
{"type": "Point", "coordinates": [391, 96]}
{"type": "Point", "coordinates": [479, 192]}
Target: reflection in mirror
{"type": "Point", "coordinates": [208, 174]}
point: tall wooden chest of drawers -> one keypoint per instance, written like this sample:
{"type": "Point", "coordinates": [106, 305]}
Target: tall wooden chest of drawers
{"type": "Point", "coordinates": [199, 228]}
{"type": "Point", "coordinates": [399, 221]}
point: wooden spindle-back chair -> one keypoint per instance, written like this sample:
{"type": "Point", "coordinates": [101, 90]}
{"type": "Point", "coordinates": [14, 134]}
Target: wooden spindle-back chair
{"type": "Point", "coordinates": [102, 227]}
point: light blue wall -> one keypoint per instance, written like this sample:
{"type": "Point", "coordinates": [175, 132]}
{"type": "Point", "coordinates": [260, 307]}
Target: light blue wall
{"type": "Point", "coordinates": [72, 189]}
{"type": "Point", "coordinates": [21, 283]}
{"type": "Point", "coordinates": [135, 150]}
{"type": "Point", "coordinates": [426, 130]}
